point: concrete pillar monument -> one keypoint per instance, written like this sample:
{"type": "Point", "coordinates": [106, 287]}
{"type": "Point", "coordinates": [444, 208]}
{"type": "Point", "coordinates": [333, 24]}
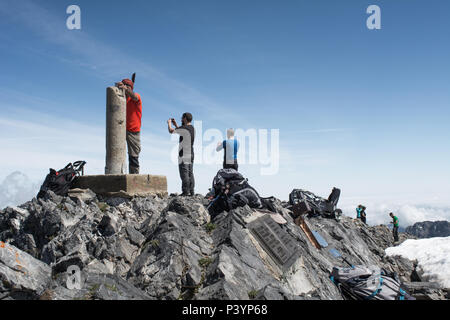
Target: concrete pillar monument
{"type": "Point", "coordinates": [116, 105]}
{"type": "Point", "coordinates": [116, 182]}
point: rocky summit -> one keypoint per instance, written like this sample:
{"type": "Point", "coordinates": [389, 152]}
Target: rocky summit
{"type": "Point", "coordinates": [87, 247]}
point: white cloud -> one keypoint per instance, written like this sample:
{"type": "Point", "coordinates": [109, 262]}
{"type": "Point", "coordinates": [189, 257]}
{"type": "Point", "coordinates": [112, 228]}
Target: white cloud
{"type": "Point", "coordinates": [406, 210]}
{"type": "Point", "coordinates": [16, 189]}
{"type": "Point", "coordinates": [41, 141]}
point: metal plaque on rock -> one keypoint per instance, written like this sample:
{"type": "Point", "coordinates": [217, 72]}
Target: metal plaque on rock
{"type": "Point", "coordinates": [275, 241]}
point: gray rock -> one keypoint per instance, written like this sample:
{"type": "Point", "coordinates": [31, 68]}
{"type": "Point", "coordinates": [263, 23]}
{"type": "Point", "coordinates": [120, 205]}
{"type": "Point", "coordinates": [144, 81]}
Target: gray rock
{"type": "Point", "coordinates": [169, 266]}
{"type": "Point", "coordinates": [84, 195]}
{"type": "Point", "coordinates": [78, 258]}
{"type": "Point", "coordinates": [95, 287]}
{"type": "Point", "coordinates": [108, 226]}
{"type": "Point", "coordinates": [169, 248]}
{"type": "Point", "coordinates": [425, 290]}
{"type": "Point", "coordinates": [272, 292]}
{"type": "Point", "coordinates": [53, 197]}
{"type": "Point", "coordinates": [135, 236]}
{"type": "Point", "coordinates": [126, 250]}
{"type": "Point", "coordinates": [21, 275]}
{"type": "Point", "coordinates": [193, 209]}
{"type": "Point", "coordinates": [100, 267]}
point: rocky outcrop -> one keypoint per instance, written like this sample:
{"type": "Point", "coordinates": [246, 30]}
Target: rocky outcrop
{"type": "Point", "coordinates": [429, 229]}
{"type": "Point", "coordinates": [21, 275]}
{"type": "Point", "coordinates": [426, 291]}
{"type": "Point", "coordinates": [88, 247]}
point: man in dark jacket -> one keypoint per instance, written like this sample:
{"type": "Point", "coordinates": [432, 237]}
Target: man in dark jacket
{"type": "Point", "coordinates": [186, 152]}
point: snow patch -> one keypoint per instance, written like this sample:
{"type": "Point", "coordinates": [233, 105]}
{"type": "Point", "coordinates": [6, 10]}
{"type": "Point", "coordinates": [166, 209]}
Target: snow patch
{"type": "Point", "coordinates": [432, 255]}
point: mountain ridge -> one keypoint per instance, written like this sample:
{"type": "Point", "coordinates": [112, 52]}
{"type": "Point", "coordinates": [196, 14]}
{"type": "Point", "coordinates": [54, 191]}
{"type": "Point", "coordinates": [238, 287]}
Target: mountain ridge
{"type": "Point", "coordinates": [169, 248]}
{"type": "Point", "coordinates": [429, 229]}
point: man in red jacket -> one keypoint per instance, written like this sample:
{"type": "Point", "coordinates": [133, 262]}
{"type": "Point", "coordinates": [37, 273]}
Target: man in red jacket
{"type": "Point", "coordinates": [134, 116]}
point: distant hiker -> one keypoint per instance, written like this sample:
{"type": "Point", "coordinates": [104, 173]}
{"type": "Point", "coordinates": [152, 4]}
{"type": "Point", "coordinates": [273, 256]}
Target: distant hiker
{"type": "Point", "coordinates": [230, 147]}
{"type": "Point", "coordinates": [186, 152]}
{"type": "Point", "coordinates": [395, 229]}
{"type": "Point", "coordinates": [361, 213]}
{"type": "Point", "coordinates": [134, 117]}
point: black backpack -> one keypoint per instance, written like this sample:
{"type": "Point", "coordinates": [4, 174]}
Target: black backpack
{"type": "Point", "coordinates": [60, 181]}
{"type": "Point", "coordinates": [333, 198]}
{"type": "Point", "coordinates": [231, 190]}
{"type": "Point", "coordinates": [314, 205]}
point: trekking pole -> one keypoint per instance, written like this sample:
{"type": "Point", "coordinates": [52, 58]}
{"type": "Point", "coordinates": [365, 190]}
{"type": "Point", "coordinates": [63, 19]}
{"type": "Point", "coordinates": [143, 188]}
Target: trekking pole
{"type": "Point", "coordinates": [212, 201]}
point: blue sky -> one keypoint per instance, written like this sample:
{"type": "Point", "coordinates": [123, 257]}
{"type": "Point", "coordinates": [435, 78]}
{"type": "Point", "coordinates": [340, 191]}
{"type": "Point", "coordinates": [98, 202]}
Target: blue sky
{"type": "Point", "coordinates": [363, 110]}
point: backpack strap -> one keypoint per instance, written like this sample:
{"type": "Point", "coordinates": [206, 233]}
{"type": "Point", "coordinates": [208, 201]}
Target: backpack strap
{"type": "Point", "coordinates": [380, 284]}
{"type": "Point", "coordinates": [78, 166]}
{"type": "Point", "coordinates": [402, 294]}
{"type": "Point", "coordinates": [346, 293]}
{"type": "Point", "coordinates": [69, 166]}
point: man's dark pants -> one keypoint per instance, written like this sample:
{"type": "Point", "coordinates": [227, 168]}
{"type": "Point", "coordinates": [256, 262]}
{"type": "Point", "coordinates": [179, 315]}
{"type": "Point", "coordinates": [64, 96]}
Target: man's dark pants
{"type": "Point", "coordinates": [395, 233]}
{"type": "Point", "coordinates": [134, 149]}
{"type": "Point", "coordinates": [187, 178]}
{"type": "Point", "coordinates": [231, 165]}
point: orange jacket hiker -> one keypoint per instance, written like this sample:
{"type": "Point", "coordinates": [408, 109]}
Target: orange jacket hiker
{"type": "Point", "coordinates": [134, 114]}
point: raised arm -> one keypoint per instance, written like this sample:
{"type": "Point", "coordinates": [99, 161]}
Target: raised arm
{"type": "Point", "coordinates": [128, 91]}
{"type": "Point", "coordinates": [169, 125]}
{"type": "Point", "coordinates": [132, 95]}
{"type": "Point", "coordinates": [219, 146]}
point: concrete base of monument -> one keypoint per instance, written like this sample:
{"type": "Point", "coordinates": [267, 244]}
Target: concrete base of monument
{"type": "Point", "coordinates": [124, 185]}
